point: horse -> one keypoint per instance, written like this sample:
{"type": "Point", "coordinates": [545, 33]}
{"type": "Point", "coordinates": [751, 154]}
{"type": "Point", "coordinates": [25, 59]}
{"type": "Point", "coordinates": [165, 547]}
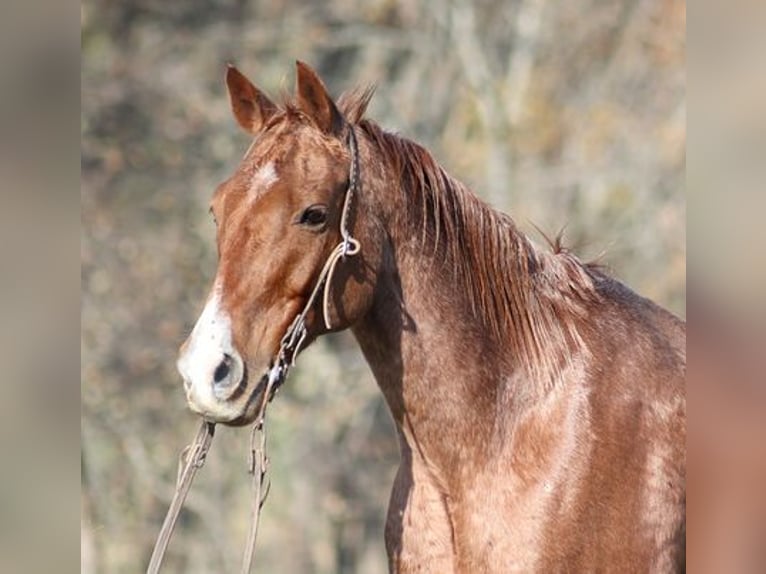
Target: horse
{"type": "Point", "coordinates": [539, 403]}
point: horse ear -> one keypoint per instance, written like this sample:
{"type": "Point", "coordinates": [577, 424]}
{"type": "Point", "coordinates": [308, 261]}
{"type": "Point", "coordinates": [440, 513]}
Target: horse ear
{"type": "Point", "coordinates": [250, 106]}
{"type": "Point", "coordinates": [315, 102]}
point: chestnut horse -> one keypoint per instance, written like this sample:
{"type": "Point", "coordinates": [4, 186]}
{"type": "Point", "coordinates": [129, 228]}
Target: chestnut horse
{"type": "Point", "coordinates": [540, 404]}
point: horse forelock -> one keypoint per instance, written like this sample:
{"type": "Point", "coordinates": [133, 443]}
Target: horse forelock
{"type": "Point", "coordinates": [352, 104]}
{"type": "Point", "coordinates": [527, 297]}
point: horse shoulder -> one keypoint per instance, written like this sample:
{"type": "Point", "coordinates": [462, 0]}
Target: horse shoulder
{"type": "Point", "coordinates": [633, 497]}
{"type": "Point", "coordinates": [419, 533]}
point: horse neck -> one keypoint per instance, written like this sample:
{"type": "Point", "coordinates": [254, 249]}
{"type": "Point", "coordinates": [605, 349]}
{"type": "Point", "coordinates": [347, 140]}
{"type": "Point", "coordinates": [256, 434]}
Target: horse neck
{"type": "Point", "coordinates": [441, 367]}
{"type": "Point", "coordinates": [429, 358]}
{"type": "Point", "coordinates": [470, 324]}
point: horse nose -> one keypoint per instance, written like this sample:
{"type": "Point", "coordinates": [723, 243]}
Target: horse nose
{"type": "Point", "coordinates": [221, 374]}
{"type": "Point", "coordinates": [228, 375]}
{"type": "Point", "coordinates": [213, 373]}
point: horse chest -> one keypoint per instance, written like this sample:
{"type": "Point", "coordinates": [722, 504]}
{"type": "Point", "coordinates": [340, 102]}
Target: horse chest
{"type": "Point", "coordinates": [484, 529]}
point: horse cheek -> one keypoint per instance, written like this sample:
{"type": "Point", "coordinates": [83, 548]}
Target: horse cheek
{"type": "Point", "coordinates": [352, 293]}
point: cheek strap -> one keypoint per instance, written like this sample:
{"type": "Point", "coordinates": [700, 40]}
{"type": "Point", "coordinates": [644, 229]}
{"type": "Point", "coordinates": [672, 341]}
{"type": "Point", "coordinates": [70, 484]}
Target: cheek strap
{"type": "Point", "coordinates": [295, 336]}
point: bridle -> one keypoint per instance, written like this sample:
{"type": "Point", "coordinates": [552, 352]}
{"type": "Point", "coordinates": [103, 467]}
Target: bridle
{"type": "Point", "coordinates": [296, 333]}
{"type": "Point", "coordinates": [192, 457]}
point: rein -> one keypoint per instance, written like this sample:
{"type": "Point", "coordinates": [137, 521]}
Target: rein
{"type": "Point", "coordinates": [193, 457]}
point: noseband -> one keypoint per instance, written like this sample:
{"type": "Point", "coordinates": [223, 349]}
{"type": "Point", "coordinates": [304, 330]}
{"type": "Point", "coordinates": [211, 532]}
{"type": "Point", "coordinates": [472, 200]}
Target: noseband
{"type": "Point", "coordinates": [193, 457]}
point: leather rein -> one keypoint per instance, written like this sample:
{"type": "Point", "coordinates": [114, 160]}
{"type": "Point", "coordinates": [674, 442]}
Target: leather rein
{"type": "Point", "coordinates": [193, 457]}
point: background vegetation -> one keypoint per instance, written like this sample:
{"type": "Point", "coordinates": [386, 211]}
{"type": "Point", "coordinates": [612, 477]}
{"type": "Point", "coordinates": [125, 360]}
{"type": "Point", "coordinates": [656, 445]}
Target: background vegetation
{"type": "Point", "coordinates": [562, 113]}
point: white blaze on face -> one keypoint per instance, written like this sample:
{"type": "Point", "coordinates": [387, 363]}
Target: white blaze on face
{"type": "Point", "coordinates": [265, 177]}
{"type": "Point", "coordinates": [208, 344]}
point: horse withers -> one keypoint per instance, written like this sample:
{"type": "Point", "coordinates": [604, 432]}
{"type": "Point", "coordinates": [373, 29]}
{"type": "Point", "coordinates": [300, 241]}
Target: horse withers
{"type": "Point", "coordinates": [540, 404]}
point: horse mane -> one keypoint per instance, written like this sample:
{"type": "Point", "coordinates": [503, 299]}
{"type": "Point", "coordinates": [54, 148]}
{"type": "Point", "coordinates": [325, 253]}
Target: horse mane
{"type": "Point", "coordinates": [526, 297]}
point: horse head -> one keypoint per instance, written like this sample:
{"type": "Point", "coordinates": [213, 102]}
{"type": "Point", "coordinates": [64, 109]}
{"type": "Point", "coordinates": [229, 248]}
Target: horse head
{"type": "Point", "coordinates": [284, 221]}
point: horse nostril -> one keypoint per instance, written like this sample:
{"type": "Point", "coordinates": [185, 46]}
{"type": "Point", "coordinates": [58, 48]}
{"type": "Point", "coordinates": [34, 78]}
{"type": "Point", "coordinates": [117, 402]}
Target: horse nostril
{"type": "Point", "coordinates": [223, 369]}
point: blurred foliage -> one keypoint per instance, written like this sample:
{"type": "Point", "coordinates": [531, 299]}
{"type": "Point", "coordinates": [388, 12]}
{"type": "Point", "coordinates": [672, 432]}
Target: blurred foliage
{"type": "Point", "coordinates": [564, 114]}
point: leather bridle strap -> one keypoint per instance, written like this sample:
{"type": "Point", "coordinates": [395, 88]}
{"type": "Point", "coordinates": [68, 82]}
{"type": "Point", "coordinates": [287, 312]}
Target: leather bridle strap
{"type": "Point", "coordinates": [192, 458]}
{"type": "Point", "coordinates": [296, 333]}
{"type": "Point", "coordinates": [259, 464]}
{"type": "Point", "coordinates": [291, 343]}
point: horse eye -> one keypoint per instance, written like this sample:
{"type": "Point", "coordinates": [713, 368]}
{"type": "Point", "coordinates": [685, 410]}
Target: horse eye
{"type": "Point", "coordinates": [314, 216]}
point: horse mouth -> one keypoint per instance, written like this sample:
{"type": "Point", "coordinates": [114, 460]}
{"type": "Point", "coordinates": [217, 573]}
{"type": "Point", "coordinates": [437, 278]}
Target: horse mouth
{"type": "Point", "coordinates": [252, 404]}
{"type": "Point", "coordinates": [234, 411]}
